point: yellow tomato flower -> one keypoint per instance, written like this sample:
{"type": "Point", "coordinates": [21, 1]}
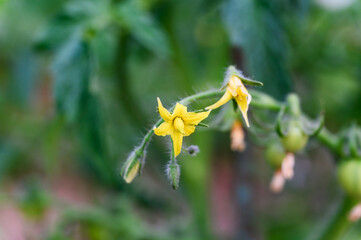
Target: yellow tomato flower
{"type": "Point", "coordinates": [236, 90]}
{"type": "Point", "coordinates": [179, 124]}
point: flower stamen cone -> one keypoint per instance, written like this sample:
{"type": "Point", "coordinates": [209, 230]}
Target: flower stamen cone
{"type": "Point", "coordinates": [236, 90]}
{"type": "Point", "coordinates": [179, 124]}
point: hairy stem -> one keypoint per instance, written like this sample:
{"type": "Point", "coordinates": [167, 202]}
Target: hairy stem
{"type": "Point", "coordinates": [262, 100]}
{"type": "Point", "coordinates": [330, 140]}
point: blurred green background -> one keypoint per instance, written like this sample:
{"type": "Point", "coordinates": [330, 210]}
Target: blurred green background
{"type": "Point", "coordinates": [78, 87]}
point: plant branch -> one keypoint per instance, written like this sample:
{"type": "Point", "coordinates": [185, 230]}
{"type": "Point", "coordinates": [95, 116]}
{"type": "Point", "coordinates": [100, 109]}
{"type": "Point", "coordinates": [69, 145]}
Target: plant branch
{"type": "Point", "coordinates": [329, 139]}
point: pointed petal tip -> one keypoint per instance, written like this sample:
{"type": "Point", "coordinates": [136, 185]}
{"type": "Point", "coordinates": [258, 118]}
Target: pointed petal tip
{"type": "Point", "coordinates": [246, 120]}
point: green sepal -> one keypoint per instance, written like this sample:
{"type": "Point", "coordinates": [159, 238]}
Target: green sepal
{"type": "Point", "coordinates": [249, 81]}
{"type": "Point", "coordinates": [354, 137]}
{"type": "Point", "coordinates": [312, 127]}
{"type": "Point", "coordinates": [173, 174]}
{"type": "Point", "coordinates": [279, 130]}
{"type": "Point", "coordinates": [233, 71]}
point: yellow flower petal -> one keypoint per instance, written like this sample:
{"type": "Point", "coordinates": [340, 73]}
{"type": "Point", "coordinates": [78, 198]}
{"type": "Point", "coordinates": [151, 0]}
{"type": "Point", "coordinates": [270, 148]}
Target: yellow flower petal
{"type": "Point", "coordinates": [194, 118]}
{"type": "Point", "coordinates": [225, 98]}
{"type": "Point", "coordinates": [164, 129]}
{"type": "Point", "coordinates": [241, 90]}
{"type": "Point", "coordinates": [164, 112]}
{"type": "Point", "coordinates": [179, 125]}
{"type": "Point", "coordinates": [179, 110]}
{"type": "Point", "coordinates": [189, 129]}
{"type": "Point", "coordinates": [233, 84]}
{"type": "Point", "coordinates": [233, 91]}
{"type": "Point", "coordinates": [177, 139]}
{"type": "Point", "coordinates": [243, 106]}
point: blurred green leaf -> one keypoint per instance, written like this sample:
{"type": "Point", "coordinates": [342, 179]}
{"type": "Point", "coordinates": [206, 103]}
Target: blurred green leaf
{"type": "Point", "coordinates": [76, 16]}
{"type": "Point", "coordinates": [35, 200]}
{"type": "Point", "coordinates": [57, 32]}
{"type": "Point", "coordinates": [143, 27]}
{"type": "Point", "coordinates": [7, 155]}
{"type": "Point", "coordinates": [257, 28]}
{"type": "Point", "coordinates": [71, 69]}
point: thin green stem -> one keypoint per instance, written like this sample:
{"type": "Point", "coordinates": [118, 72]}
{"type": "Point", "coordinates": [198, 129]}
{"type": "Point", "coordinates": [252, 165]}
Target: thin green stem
{"type": "Point", "coordinates": [172, 157]}
{"type": "Point", "coordinates": [201, 95]}
{"type": "Point", "coordinates": [328, 139]}
{"type": "Point", "coordinates": [293, 102]}
{"type": "Point", "coordinates": [262, 100]}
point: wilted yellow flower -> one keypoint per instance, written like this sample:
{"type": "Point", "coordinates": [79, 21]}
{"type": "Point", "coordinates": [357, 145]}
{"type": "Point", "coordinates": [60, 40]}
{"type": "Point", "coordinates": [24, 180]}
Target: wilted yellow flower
{"type": "Point", "coordinates": [355, 213]}
{"type": "Point", "coordinates": [237, 137]}
{"type": "Point", "coordinates": [236, 90]}
{"type": "Point", "coordinates": [277, 182]}
{"type": "Point", "coordinates": [288, 165]}
{"type": "Point", "coordinates": [179, 124]}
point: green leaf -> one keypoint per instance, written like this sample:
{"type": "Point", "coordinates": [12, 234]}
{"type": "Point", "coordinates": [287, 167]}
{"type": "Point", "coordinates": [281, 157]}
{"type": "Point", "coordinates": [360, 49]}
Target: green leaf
{"type": "Point", "coordinates": [143, 27]}
{"type": "Point", "coordinates": [233, 71]}
{"type": "Point", "coordinates": [57, 32]}
{"type": "Point", "coordinates": [75, 17]}
{"type": "Point", "coordinates": [249, 24]}
{"type": "Point", "coordinates": [71, 70]}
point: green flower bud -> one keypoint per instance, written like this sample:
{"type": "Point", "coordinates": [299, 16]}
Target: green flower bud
{"type": "Point", "coordinates": [275, 153]}
{"type": "Point", "coordinates": [293, 127]}
{"type": "Point", "coordinates": [173, 174]}
{"type": "Point", "coordinates": [132, 165]}
{"type": "Point", "coordinates": [295, 139]}
{"type": "Point", "coordinates": [192, 150]}
{"type": "Point", "coordinates": [349, 175]}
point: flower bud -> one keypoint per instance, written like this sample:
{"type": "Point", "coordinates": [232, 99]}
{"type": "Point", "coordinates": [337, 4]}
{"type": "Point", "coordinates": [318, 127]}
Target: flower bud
{"type": "Point", "coordinates": [293, 127]}
{"type": "Point", "coordinates": [132, 165]}
{"type": "Point", "coordinates": [192, 150]}
{"type": "Point", "coordinates": [275, 153]}
{"type": "Point", "coordinates": [295, 139]}
{"type": "Point", "coordinates": [349, 174]}
{"type": "Point", "coordinates": [173, 174]}
{"type": "Point", "coordinates": [237, 137]}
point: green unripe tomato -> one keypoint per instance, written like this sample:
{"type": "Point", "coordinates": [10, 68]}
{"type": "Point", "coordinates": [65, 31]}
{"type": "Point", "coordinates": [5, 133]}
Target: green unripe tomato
{"type": "Point", "coordinates": [275, 154]}
{"type": "Point", "coordinates": [295, 139]}
{"type": "Point", "coordinates": [349, 175]}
